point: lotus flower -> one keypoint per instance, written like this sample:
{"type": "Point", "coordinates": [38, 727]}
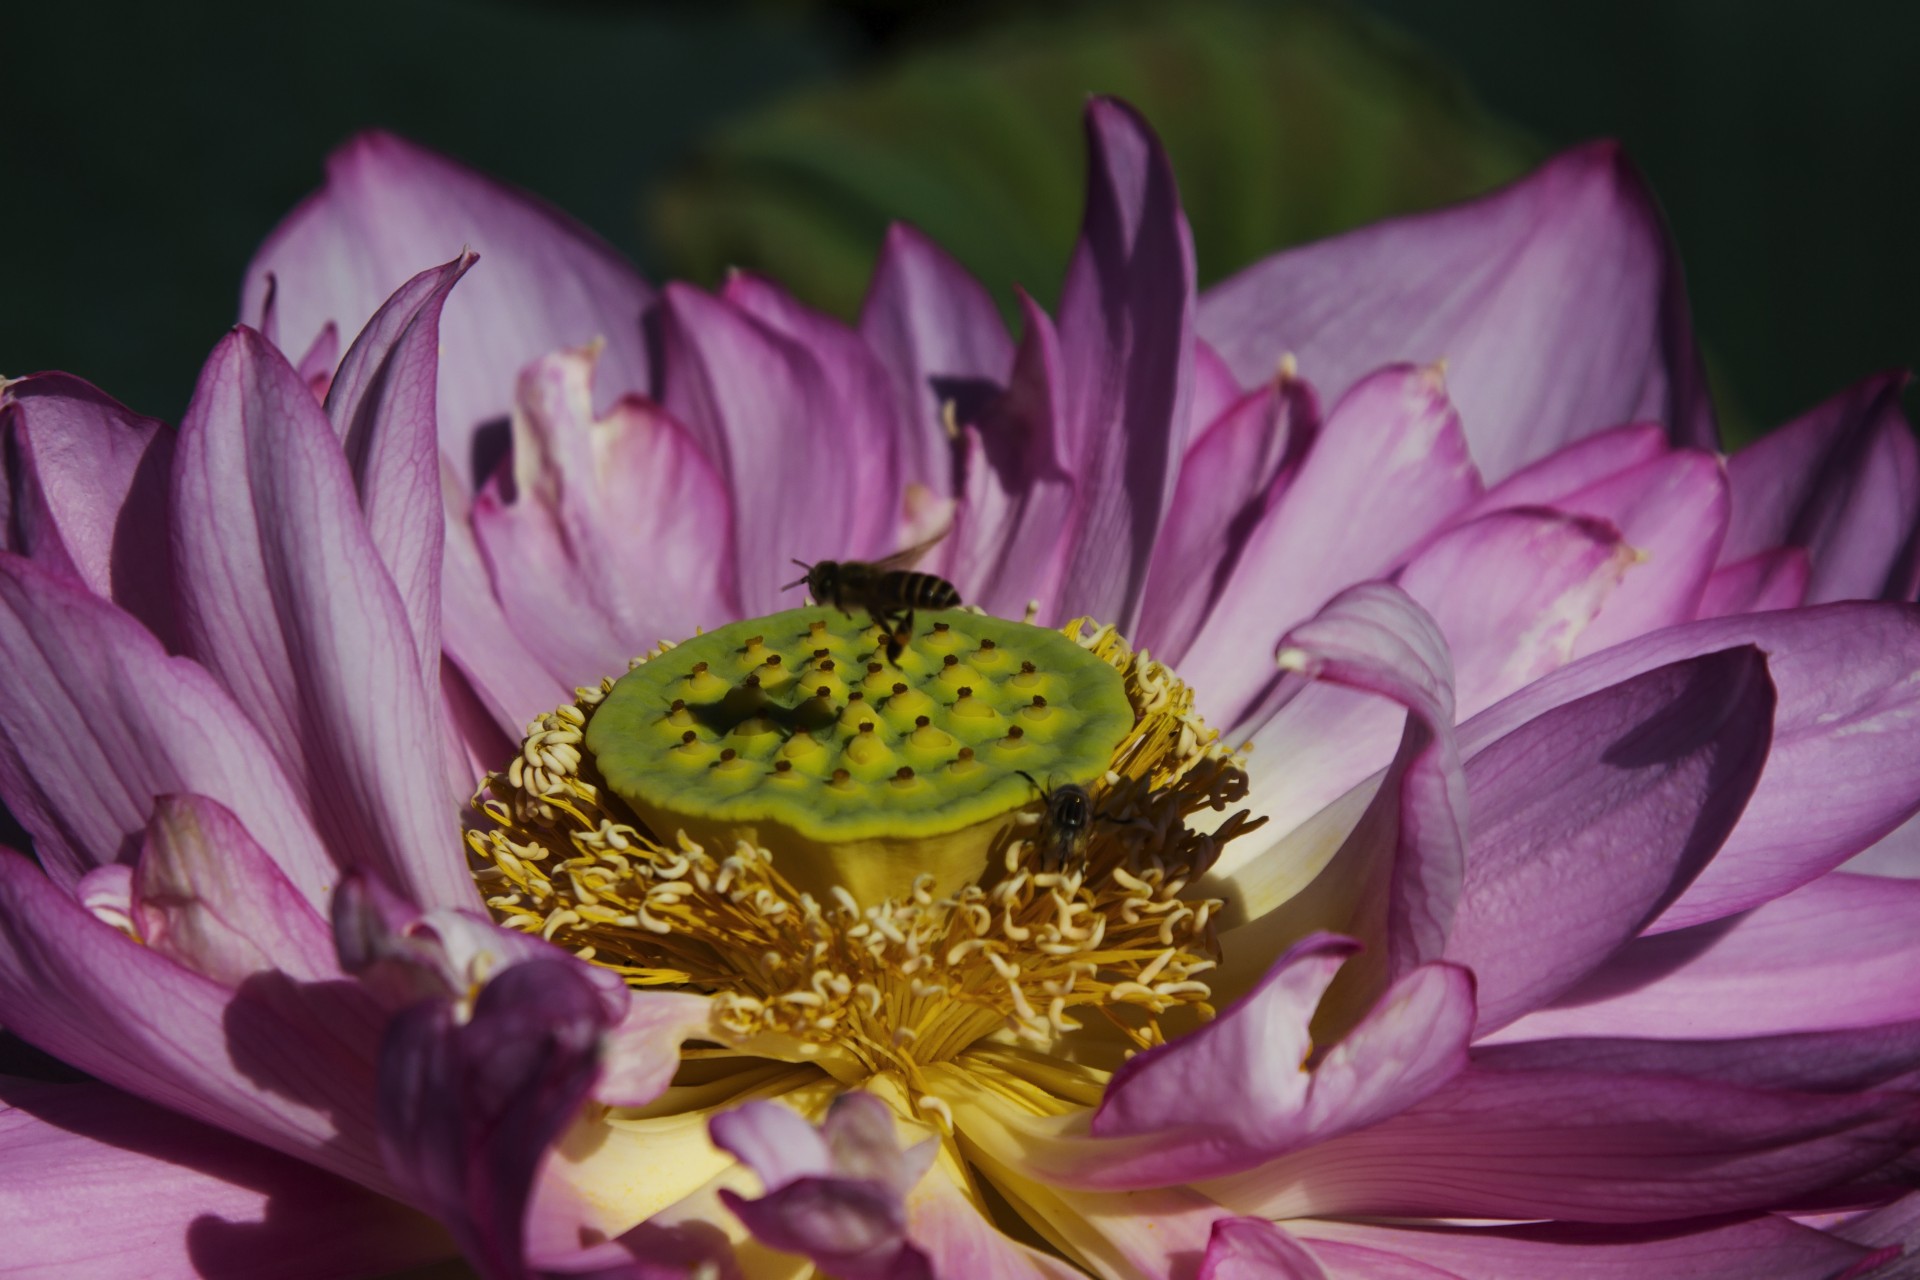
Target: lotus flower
{"type": "Point", "coordinates": [1508, 929]}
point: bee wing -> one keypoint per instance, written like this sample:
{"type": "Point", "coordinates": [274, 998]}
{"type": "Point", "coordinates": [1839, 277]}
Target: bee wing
{"type": "Point", "coordinates": [907, 557]}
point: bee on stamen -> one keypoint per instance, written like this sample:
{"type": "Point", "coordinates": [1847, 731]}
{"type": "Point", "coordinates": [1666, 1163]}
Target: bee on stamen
{"type": "Point", "coordinates": [1067, 813]}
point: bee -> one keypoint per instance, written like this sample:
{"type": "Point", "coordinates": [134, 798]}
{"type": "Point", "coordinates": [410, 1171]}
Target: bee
{"type": "Point", "coordinates": [887, 589]}
{"type": "Point", "coordinates": [1069, 812]}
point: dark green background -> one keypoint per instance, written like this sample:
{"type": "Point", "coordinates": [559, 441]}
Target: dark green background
{"type": "Point", "coordinates": [149, 148]}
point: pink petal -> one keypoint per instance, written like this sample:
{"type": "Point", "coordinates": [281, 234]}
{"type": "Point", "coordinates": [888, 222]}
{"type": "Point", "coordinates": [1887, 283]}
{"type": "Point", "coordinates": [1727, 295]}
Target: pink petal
{"type": "Point", "coordinates": [1844, 1060]}
{"type": "Point", "coordinates": [468, 1108]}
{"type": "Point", "coordinates": [381, 402]}
{"type": "Point", "coordinates": [1843, 482]}
{"type": "Point", "coordinates": [1389, 467]}
{"type": "Point", "coordinates": [1840, 952]}
{"type": "Point", "coordinates": [960, 1241]}
{"type": "Point", "coordinates": [1242, 1089]}
{"type": "Point", "coordinates": [316, 368]}
{"type": "Point", "coordinates": [1229, 479]}
{"type": "Point", "coordinates": [642, 1050]}
{"type": "Point", "coordinates": [1215, 389]}
{"type": "Point", "coordinates": [1255, 1249]}
{"type": "Point", "coordinates": [99, 1184]}
{"type": "Point", "coordinates": [1740, 1250]}
{"type": "Point", "coordinates": [612, 534]}
{"type": "Point", "coordinates": [1585, 1146]}
{"type": "Point", "coordinates": [1774, 579]}
{"type": "Point", "coordinates": [88, 487]}
{"type": "Point", "coordinates": [940, 339]}
{"type": "Point", "coordinates": [1556, 302]}
{"type": "Point", "coordinates": [1588, 821]}
{"type": "Point", "coordinates": [96, 720]}
{"type": "Point", "coordinates": [284, 597]}
{"type": "Point", "coordinates": [390, 209]}
{"type": "Point", "coordinates": [1838, 776]}
{"type": "Point", "coordinates": [282, 1062]}
{"type": "Point", "coordinates": [1514, 592]}
{"type": "Point", "coordinates": [1126, 325]}
{"type": "Point", "coordinates": [1576, 465]}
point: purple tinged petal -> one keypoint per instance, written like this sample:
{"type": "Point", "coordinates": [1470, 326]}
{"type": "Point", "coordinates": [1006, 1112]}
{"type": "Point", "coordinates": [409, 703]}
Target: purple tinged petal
{"type": "Point", "coordinates": [87, 492]}
{"type": "Point", "coordinates": [1710, 1250]}
{"type": "Point", "coordinates": [1126, 345]}
{"type": "Point", "coordinates": [1840, 952]}
{"type": "Point", "coordinates": [1771, 580]}
{"type": "Point", "coordinates": [381, 403]}
{"type": "Point", "coordinates": [862, 1142]}
{"type": "Point", "coordinates": [613, 534]}
{"type": "Point", "coordinates": [284, 597]}
{"type": "Point", "coordinates": [1215, 389]}
{"type": "Point", "coordinates": [207, 895]}
{"type": "Point", "coordinates": [111, 721]}
{"type": "Point", "coordinates": [469, 1108]}
{"type": "Point", "coordinates": [1590, 820]}
{"type": "Point", "coordinates": [1388, 468]}
{"type": "Point", "coordinates": [940, 338]}
{"type": "Point", "coordinates": [390, 209]}
{"type": "Point", "coordinates": [1841, 482]}
{"type": "Point", "coordinates": [316, 368]}
{"type": "Point", "coordinates": [1243, 1090]}
{"type": "Point", "coordinates": [1255, 1249]}
{"type": "Point", "coordinates": [1585, 1146]}
{"type": "Point", "coordinates": [642, 1050]}
{"type": "Point", "coordinates": [1578, 465]}
{"type": "Point", "coordinates": [101, 1184]}
{"type": "Point", "coordinates": [1556, 302]}
{"type": "Point", "coordinates": [1893, 1232]}
{"type": "Point", "coordinates": [773, 1140]}
{"type": "Point", "coordinates": [1229, 480]}
{"type": "Point", "coordinates": [1844, 1060]}
{"type": "Point", "coordinates": [1845, 765]}
{"type": "Point", "coordinates": [1513, 592]}
{"type": "Point", "coordinates": [277, 1060]}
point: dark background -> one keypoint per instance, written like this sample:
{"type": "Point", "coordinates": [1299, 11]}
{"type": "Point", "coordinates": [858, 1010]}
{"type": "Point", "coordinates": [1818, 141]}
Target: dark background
{"type": "Point", "coordinates": [148, 148]}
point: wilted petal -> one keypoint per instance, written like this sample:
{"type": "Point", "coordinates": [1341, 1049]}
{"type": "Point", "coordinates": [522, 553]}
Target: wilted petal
{"type": "Point", "coordinates": [1842, 482]}
{"type": "Point", "coordinates": [1840, 952]}
{"type": "Point", "coordinates": [390, 209]}
{"type": "Point", "coordinates": [1588, 821]}
{"type": "Point", "coordinates": [1229, 480]}
{"type": "Point", "coordinates": [614, 533]}
{"type": "Point", "coordinates": [1388, 468]}
{"type": "Point", "coordinates": [468, 1109]}
{"type": "Point", "coordinates": [1774, 579]}
{"type": "Point", "coordinates": [941, 340]}
{"type": "Point", "coordinates": [284, 596]}
{"type": "Point", "coordinates": [96, 720]}
{"type": "Point", "coordinates": [1255, 1249]}
{"type": "Point", "coordinates": [1556, 302]}
{"type": "Point", "coordinates": [100, 1184]}
{"type": "Point", "coordinates": [1844, 768]}
{"type": "Point", "coordinates": [381, 402]}
{"type": "Point", "coordinates": [1126, 325]}
{"type": "Point", "coordinates": [88, 492]}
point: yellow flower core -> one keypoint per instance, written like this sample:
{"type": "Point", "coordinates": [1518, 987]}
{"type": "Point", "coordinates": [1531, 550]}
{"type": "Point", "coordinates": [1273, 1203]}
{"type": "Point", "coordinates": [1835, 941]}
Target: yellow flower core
{"type": "Point", "coordinates": [1025, 952]}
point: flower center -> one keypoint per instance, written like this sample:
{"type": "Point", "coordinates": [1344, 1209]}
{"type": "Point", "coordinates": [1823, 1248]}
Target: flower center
{"type": "Point", "coordinates": [868, 864]}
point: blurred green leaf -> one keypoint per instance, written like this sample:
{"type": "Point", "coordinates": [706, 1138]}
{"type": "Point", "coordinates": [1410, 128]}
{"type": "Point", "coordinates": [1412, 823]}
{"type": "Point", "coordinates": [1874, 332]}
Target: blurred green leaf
{"type": "Point", "coordinates": [1285, 123]}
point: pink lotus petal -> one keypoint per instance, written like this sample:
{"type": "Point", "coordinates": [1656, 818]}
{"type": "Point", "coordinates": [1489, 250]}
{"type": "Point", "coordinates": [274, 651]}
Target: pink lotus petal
{"type": "Point", "coordinates": [1215, 389]}
{"type": "Point", "coordinates": [1262, 1096]}
{"type": "Point", "coordinates": [1255, 1249]}
{"type": "Point", "coordinates": [469, 1107]}
{"type": "Point", "coordinates": [1840, 952]}
{"type": "Point", "coordinates": [282, 1062]}
{"type": "Point", "coordinates": [1583, 1146]}
{"type": "Point", "coordinates": [1514, 592]}
{"type": "Point", "coordinates": [1894, 1232]}
{"type": "Point", "coordinates": [937, 333]}
{"type": "Point", "coordinates": [1838, 776]}
{"type": "Point", "coordinates": [113, 722]}
{"type": "Point", "coordinates": [390, 209]}
{"type": "Point", "coordinates": [316, 368]}
{"type": "Point", "coordinates": [207, 895]}
{"type": "Point", "coordinates": [1231, 477]}
{"type": "Point", "coordinates": [1126, 325]}
{"type": "Point", "coordinates": [1842, 482]}
{"type": "Point", "coordinates": [613, 533]}
{"type": "Point", "coordinates": [100, 1184]}
{"type": "Point", "coordinates": [1388, 468]}
{"type": "Point", "coordinates": [1588, 821]}
{"type": "Point", "coordinates": [1580, 464]}
{"type": "Point", "coordinates": [1770, 580]}
{"type": "Point", "coordinates": [1556, 302]}
{"type": "Point", "coordinates": [284, 597]}
{"type": "Point", "coordinates": [1846, 1060]}
{"type": "Point", "coordinates": [381, 403]}
{"type": "Point", "coordinates": [642, 1050]}
{"type": "Point", "coordinates": [959, 1240]}
{"type": "Point", "coordinates": [1739, 1250]}
{"type": "Point", "coordinates": [1017, 493]}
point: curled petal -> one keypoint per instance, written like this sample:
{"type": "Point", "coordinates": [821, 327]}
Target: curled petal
{"type": "Point", "coordinates": [1255, 1249]}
